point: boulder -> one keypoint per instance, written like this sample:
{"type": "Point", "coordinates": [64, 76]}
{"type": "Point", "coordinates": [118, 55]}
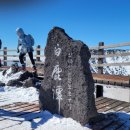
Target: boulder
{"type": "Point", "coordinates": [2, 84]}
{"type": "Point", "coordinates": [68, 85]}
{"type": "Point", "coordinates": [25, 76]}
{"type": "Point", "coordinates": [15, 83]}
{"type": "Point", "coordinates": [30, 82]}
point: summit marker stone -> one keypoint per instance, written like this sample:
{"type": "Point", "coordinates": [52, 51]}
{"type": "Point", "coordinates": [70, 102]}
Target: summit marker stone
{"type": "Point", "coordinates": [68, 86]}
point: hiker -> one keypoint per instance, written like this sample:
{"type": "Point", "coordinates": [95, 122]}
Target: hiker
{"type": "Point", "coordinates": [25, 45]}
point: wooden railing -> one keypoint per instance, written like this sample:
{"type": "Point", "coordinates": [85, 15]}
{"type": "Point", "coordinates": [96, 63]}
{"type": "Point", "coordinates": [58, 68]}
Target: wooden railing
{"type": "Point", "coordinates": [39, 55]}
{"type": "Point", "coordinates": [100, 56]}
{"type": "Point", "coordinates": [110, 79]}
{"type": "Point", "coordinates": [102, 46]}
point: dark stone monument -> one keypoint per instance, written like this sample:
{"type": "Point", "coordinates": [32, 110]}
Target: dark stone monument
{"type": "Point", "coordinates": [68, 86]}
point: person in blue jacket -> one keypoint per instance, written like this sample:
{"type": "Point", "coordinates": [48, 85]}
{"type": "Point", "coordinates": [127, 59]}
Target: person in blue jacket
{"type": "Point", "coordinates": [25, 45]}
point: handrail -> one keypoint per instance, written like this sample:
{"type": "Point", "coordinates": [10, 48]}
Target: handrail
{"type": "Point", "coordinates": [100, 55]}
{"type": "Point", "coordinates": [110, 55]}
{"type": "Point", "coordinates": [111, 64]}
{"type": "Point", "coordinates": [18, 56]}
{"type": "Point", "coordinates": [110, 46]}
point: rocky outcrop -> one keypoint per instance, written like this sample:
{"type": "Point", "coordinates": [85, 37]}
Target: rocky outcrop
{"type": "Point", "coordinates": [15, 83]}
{"type": "Point", "coordinates": [19, 79]}
{"type": "Point", "coordinates": [30, 82]}
{"type": "Point", "coordinates": [2, 84]}
{"type": "Point", "coordinates": [25, 76]}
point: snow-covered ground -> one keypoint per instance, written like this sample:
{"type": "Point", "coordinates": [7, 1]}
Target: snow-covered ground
{"type": "Point", "coordinates": [13, 94]}
{"type": "Point", "coordinates": [10, 95]}
{"type": "Point", "coordinates": [45, 121]}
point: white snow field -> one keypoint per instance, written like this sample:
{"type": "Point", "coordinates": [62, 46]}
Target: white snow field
{"type": "Point", "coordinates": [10, 95]}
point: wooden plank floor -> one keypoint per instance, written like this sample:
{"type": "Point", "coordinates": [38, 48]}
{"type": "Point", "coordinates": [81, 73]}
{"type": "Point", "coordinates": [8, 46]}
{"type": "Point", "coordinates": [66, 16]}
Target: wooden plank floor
{"type": "Point", "coordinates": [111, 121]}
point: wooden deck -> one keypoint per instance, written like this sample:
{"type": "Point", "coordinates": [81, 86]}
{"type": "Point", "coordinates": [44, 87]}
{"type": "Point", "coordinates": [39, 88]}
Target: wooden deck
{"type": "Point", "coordinates": [110, 122]}
{"type": "Point", "coordinates": [112, 79]}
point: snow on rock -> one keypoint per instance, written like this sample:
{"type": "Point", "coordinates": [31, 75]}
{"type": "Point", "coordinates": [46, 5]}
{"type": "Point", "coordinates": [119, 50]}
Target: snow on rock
{"type": "Point", "coordinates": [10, 95]}
{"type": "Point", "coordinates": [9, 76]}
{"type": "Point", "coordinates": [17, 79]}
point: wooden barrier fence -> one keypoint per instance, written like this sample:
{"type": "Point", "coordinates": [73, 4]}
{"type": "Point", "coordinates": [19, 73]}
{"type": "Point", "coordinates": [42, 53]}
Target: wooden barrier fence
{"type": "Point", "coordinates": [102, 78]}
{"type": "Point", "coordinates": [100, 55]}
{"type": "Point", "coordinates": [4, 57]}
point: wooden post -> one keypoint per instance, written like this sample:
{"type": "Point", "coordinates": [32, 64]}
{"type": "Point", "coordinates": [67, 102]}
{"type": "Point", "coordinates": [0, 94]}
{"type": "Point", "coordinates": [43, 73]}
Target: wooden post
{"type": "Point", "coordinates": [5, 56]}
{"type": "Point", "coordinates": [100, 60]}
{"type": "Point", "coordinates": [38, 53]}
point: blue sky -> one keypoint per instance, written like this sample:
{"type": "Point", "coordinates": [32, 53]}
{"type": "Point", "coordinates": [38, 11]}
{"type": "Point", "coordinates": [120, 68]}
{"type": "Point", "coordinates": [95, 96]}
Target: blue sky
{"type": "Point", "coordinates": [91, 21]}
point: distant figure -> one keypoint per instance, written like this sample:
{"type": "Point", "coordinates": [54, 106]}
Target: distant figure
{"type": "Point", "coordinates": [25, 45]}
{"type": "Point", "coordinates": [0, 44]}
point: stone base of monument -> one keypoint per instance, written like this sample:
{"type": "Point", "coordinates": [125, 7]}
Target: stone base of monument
{"type": "Point", "coordinates": [68, 85]}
